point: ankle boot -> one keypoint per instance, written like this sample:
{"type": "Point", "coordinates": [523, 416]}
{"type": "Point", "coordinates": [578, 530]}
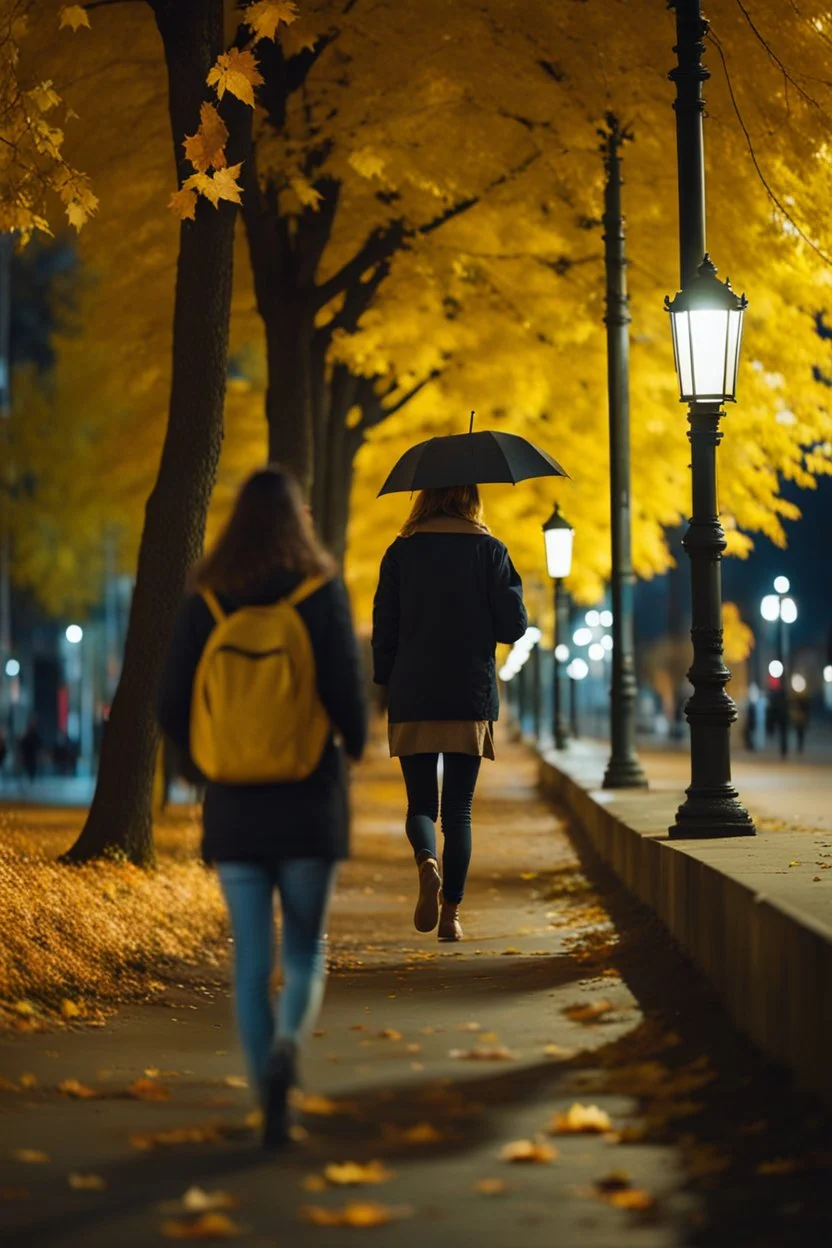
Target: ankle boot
{"type": "Point", "coordinates": [427, 907]}
{"type": "Point", "coordinates": [450, 927]}
{"type": "Point", "coordinates": [281, 1077]}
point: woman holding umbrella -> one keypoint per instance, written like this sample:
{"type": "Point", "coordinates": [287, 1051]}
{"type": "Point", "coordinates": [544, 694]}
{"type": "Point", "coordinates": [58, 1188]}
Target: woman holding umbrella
{"type": "Point", "coordinates": [447, 594]}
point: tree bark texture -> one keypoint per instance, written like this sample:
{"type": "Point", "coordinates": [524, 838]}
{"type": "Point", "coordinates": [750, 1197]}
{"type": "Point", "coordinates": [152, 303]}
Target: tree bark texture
{"type": "Point", "coordinates": [120, 819]}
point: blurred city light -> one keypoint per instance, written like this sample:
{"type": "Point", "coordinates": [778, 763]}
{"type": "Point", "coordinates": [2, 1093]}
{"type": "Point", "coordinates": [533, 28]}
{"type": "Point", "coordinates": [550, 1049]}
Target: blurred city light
{"type": "Point", "coordinates": [799, 683]}
{"type": "Point", "coordinates": [582, 636]}
{"type": "Point", "coordinates": [596, 652]}
{"type": "Point", "coordinates": [562, 653]}
{"type": "Point", "coordinates": [782, 585]}
{"type": "Point", "coordinates": [606, 619]}
{"type": "Point", "coordinates": [593, 618]}
{"type": "Point", "coordinates": [770, 607]}
{"type": "Point", "coordinates": [74, 634]}
{"type": "Point", "coordinates": [607, 642]}
{"type": "Point", "coordinates": [788, 610]}
{"type": "Point", "coordinates": [827, 673]}
{"type": "Point", "coordinates": [775, 669]}
{"type": "Point", "coordinates": [12, 668]}
{"type": "Point", "coordinates": [578, 669]}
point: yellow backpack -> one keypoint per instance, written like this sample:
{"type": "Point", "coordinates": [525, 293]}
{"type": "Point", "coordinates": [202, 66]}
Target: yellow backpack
{"type": "Point", "coordinates": [256, 717]}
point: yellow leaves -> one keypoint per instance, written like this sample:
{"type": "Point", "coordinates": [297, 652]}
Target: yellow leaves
{"type": "Point", "coordinates": [497, 1053]}
{"type": "Point", "coordinates": [73, 15]}
{"type": "Point", "coordinates": [147, 1090]}
{"type": "Point", "coordinates": [197, 1200]}
{"type": "Point", "coordinates": [206, 149]}
{"type": "Point", "coordinates": [146, 1141]}
{"type": "Point", "coordinates": [86, 1182]}
{"type": "Point", "coordinates": [353, 1174]}
{"type": "Point", "coordinates": [581, 1119]}
{"type": "Point", "coordinates": [206, 1226]}
{"type": "Point", "coordinates": [30, 1156]}
{"type": "Point", "coordinates": [237, 73]}
{"type": "Point", "coordinates": [28, 1081]}
{"type": "Point", "coordinates": [421, 1133]}
{"type": "Point", "coordinates": [528, 1152]}
{"type": "Point", "coordinates": [44, 96]}
{"type": "Point", "coordinates": [588, 1012]}
{"type": "Point", "coordinates": [265, 17]}
{"type": "Point", "coordinates": [323, 1106]}
{"type": "Point", "coordinates": [491, 1187]}
{"type": "Point", "coordinates": [354, 1214]}
{"type": "Point", "coordinates": [634, 1198]}
{"type": "Point", "coordinates": [366, 162]}
{"type": "Point", "coordinates": [77, 1090]}
{"type": "Point", "coordinates": [183, 204]}
{"type": "Point", "coordinates": [780, 1165]}
{"type": "Point", "coordinates": [222, 185]}
{"type": "Point", "coordinates": [305, 192]}
{"type": "Point", "coordinates": [390, 1033]}
{"type": "Point", "coordinates": [69, 1009]}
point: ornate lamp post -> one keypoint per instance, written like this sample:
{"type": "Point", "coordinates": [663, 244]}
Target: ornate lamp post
{"type": "Point", "coordinates": [781, 608]}
{"type": "Point", "coordinates": [706, 319]}
{"type": "Point", "coordinates": [559, 535]}
{"type": "Point", "coordinates": [623, 769]}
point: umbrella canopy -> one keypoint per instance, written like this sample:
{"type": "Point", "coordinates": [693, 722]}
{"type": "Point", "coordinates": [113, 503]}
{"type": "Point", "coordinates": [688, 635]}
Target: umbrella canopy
{"type": "Point", "coordinates": [470, 459]}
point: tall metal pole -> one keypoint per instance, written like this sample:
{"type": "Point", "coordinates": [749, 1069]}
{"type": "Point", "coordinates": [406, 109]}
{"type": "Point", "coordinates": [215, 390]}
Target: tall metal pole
{"type": "Point", "coordinates": [624, 771]}
{"type": "Point", "coordinates": [712, 807]}
{"type": "Point", "coordinates": [6, 241]}
{"type": "Point", "coordinates": [560, 732]}
{"type": "Point", "coordinates": [783, 699]}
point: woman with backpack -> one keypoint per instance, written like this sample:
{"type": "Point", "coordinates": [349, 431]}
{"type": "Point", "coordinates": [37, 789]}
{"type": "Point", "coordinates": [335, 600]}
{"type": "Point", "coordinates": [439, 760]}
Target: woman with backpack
{"type": "Point", "coordinates": [262, 678]}
{"type": "Point", "coordinates": [447, 594]}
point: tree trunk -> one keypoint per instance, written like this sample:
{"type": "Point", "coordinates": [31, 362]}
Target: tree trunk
{"type": "Point", "coordinates": [289, 395]}
{"type": "Point", "coordinates": [119, 820]}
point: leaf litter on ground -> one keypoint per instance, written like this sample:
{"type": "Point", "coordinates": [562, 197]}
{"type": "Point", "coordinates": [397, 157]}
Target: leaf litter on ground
{"type": "Point", "coordinates": [86, 1182]}
{"type": "Point", "coordinates": [355, 1214]}
{"type": "Point", "coordinates": [354, 1174]}
{"type": "Point", "coordinates": [581, 1119]}
{"type": "Point", "coordinates": [204, 1226]}
{"type": "Point", "coordinates": [528, 1152]}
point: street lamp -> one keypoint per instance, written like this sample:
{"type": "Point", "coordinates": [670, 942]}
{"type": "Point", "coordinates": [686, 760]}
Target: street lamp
{"type": "Point", "coordinates": [779, 608]}
{"type": "Point", "coordinates": [559, 537]}
{"type": "Point", "coordinates": [706, 321]}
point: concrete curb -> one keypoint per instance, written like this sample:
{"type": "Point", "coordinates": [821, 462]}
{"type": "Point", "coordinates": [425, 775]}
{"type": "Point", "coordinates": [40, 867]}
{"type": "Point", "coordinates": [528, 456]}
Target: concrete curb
{"type": "Point", "coordinates": [770, 962]}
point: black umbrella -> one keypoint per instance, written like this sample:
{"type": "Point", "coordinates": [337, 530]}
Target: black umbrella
{"type": "Point", "coordinates": [470, 459]}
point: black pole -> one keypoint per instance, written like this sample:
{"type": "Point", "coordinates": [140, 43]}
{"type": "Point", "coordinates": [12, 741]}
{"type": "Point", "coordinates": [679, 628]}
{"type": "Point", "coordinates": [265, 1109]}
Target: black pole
{"type": "Point", "coordinates": [624, 771]}
{"type": "Point", "coordinates": [560, 731]}
{"type": "Point", "coordinates": [534, 664]}
{"type": "Point", "coordinates": [712, 807]}
{"type": "Point", "coordinates": [782, 655]}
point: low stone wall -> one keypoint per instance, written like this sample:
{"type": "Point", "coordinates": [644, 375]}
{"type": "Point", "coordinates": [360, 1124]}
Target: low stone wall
{"type": "Point", "coordinates": [770, 961]}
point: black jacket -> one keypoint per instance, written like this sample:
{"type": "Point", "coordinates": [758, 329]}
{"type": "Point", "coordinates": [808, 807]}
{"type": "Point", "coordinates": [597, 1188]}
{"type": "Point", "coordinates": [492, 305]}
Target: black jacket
{"type": "Point", "coordinates": [304, 819]}
{"type": "Point", "coordinates": [444, 600]}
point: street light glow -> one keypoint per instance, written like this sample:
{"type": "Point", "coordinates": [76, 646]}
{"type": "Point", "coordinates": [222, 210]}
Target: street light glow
{"type": "Point", "coordinates": [74, 634]}
{"type": "Point", "coordinates": [788, 610]}
{"type": "Point", "coordinates": [770, 608]}
{"type": "Point", "coordinates": [799, 683]}
{"type": "Point", "coordinates": [606, 619]}
{"type": "Point", "coordinates": [593, 618]}
{"type": "Point", "coordinates": [781, 584]}
{"type": "Point", "coordinates": [562, 653]}
{"type": "Point", "coordinates": [582, 636]}
{"type": "Point", "coordinates": [596, 651]}
{"type": "Point", "coordinates": [578, 669]}
{"type": "Point", "coordinates": [827, 673]}
{"type": "Point", "coordinates": [12, 668]}
{"type": "Point", "coordinates": [775, 669]}
{"type": "Point", "coordinates": [607, 642]}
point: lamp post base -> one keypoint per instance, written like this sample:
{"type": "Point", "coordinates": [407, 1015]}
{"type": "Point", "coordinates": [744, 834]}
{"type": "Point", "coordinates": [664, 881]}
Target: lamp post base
{"type": "Point", "coordinates": [561, 739]}
{"type": "Point", "coordinates": [708, 814]}
{"type": "Point", "coordinates": [624, 773]}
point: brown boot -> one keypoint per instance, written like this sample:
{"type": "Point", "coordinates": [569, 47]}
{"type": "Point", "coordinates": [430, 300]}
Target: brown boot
{"type": "Point", "coordinates": [450, 927]}
{"type": "Point", "coordinates": [427, 907]}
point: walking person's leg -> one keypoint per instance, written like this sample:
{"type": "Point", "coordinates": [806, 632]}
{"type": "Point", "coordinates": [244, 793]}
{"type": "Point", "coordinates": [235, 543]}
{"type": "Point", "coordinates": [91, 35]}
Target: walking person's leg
{"type": "Point", "coordinates": [305, 886]}
{"type": "Point", "coordinates": [422, 784]}
{"type": "Point", "coordinates": [458, 785]}
{"type": "Point", "coordinates": [248, 888]}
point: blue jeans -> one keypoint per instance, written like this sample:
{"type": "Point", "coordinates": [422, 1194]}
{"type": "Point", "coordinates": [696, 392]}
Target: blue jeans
{"type": "Point", "coordinates": [460, 772]}
{"type": "Point", "coordinates": [305, 886]}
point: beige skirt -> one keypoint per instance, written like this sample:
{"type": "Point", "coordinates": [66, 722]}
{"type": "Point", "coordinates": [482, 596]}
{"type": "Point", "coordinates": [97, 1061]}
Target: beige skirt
{"type": "Point", "coordinates": [442, 736]}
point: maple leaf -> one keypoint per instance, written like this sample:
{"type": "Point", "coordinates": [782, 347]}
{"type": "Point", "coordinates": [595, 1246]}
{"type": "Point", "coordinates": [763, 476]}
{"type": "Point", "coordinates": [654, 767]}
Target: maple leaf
{"type": "Point", "coordinates": [86, 1182]}
{"type": "Point", "coordinates": [147, 1140]}
{"type": "Point", "coordinates": [74, 15]}
{"type": "Point", "coordinates": [366, 162]}
{"type": "Point", "coordinates": [491, 1187]}
{"type": "Point", "coordinates": [30, 1156]}
{"type": "Point", "coordinates": [265, 16]}
{"type": "Point", "coordinates": [354, 1214]}
{"type": "Point", "coordinates": [236, 72]}
{"type": "Point", "coordinates": [206, 149]}
{"type": "Point", "coordinates": [528, 1152]}
{"type": "Point", "coordinates": [320, 1105]}
{"type": "Point", "coordinates": [80, 1091]}
{"type": "Point", "coordinates": [44, 96]}
{"type": "Point", "coordinates": [147, 1090]}
{"type": "Point", "coordinates": [632, 1198]}
{"type": "Point", "coordinates": [351, 1173]}
{"type": "Point", "coordinates": [78, 211]}
{"type": "Point", "coordinates": [497, 1054]}
{"type": "Point", "coordinates": [69, 1009]}
{"type": "Point", "coordinates": [390, 1033]}
{"type": "Point", "coordinates": [588, 1012]}
{"type": "Point", "coordinates": [221, 185]}
{"type": "Point", "coordinates": [306, 192]}
{"type": "Point", "coordinates": [183, 203]}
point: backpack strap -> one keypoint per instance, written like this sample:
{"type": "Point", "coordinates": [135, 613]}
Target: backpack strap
{"type": "Point", "coordinates": [306, 589]}
{"type": "Point", "coordinates": [212, 602]}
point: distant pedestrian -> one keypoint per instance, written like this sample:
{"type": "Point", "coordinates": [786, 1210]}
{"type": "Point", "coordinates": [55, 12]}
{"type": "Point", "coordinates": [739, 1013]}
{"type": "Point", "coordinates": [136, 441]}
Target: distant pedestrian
{"type": "Point", "coordinates": [750, 732]}
{"type": "Point", "coordinates": [263, 672]}
{"type": "Point", "coordinates": [4, 748]}
{"type": "Point", "coordinates": [447, 594]}
{"type": "Point", "coordinates": [30, 746]}
{"type": "Point", "coordinates": [799, 716]}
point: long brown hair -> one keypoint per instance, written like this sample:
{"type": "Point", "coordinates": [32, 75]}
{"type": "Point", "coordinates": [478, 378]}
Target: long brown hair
{"type": "Point", "coordinates": [454, 502]}
{"type": "Point", "coordinates": [269, 530]}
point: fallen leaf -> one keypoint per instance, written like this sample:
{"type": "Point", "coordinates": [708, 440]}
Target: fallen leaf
{"type": "Point", "coordinates": [413, 1048]}
{"type": "Point", "coordinates": [491, 1187]}
{"type": "Point", "coordinates": [206, 1226]}
{"type": "Point", "coordinates": [80, 1091]}
{"type": "Point", "coordinates": [30, 1156]}
{"type": "Point", "coordinates": [147, 1090]}
{"type": "Point", "coordinates": [632, 1198]}
{"type": "Point", "coordinates": [354, 1214]}
{"type": "Point", "coordinates": [533, 1152]}
{"type": "Point", "coordinates": [497, 1054]}
{"type": "Point", "coordinates": [197, 1200]}
{"type": "Point", "coordinates": [469, 1027]}
{"type": "Point", "coordinates": [86, 1182]}
{"type": "Point", "coordinates": [390, 1033]}
{"type": "Point", "coordinates": [69, 1009]}
{"type": "Point", "coordinates": [794, 863]}
{"type": "Point", "coordinates": [580, 1119]}
{"type": "Point", "coordinates": [24, 1008]}
{"type": "Point", "coordinates": [489, 1037]}
{"type": "Point", "coordinates": [589, 1011]}
{"type": "Point", "coordinates": [780, 1165]}
{"type": "Point", "coordinates": [511, 952]}
{"type": "Point", "coordinates": [421, 1133]}
{"type": "Point", "coordinates": [352, 1173]}
{"type": "Point", "coordinates": [28, 1081]}
{"type": "Point", "coordinates": [324, 1106]}
{"type": "Point", "coordinates": [555, 1050]}
{"type": "Point", "coordinates": [147, 1140]}
{"type": "Point", "coordinates": [235, 1081]}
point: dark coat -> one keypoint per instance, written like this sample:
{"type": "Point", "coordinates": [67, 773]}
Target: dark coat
{"type": "Point", "coordinates": [444, 601]}
{"type": "Point", "coordinates": [304, 819]}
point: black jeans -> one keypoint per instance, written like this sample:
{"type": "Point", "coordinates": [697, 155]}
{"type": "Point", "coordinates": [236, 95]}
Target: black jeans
{"type": "Point", "coordinates": [459, 782]}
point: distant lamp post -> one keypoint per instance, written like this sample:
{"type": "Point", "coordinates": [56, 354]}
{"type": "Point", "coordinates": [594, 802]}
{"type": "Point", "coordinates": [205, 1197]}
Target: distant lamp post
{"type": "Point", "coordinates": [559, 536]}
{"type": "Point", "coordinates": [74, 634]}
{"type": "Point", "coordinates": [779, 608]}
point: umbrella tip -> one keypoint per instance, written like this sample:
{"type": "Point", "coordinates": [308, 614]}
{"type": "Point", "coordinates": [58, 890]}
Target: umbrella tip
{"type": "Point", "coordinates": [471, 425]}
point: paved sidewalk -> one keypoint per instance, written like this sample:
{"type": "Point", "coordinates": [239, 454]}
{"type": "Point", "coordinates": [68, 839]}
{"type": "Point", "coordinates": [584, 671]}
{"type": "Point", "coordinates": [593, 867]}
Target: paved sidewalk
{"type": "Point", "coordinates": [567, 995]}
